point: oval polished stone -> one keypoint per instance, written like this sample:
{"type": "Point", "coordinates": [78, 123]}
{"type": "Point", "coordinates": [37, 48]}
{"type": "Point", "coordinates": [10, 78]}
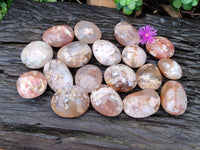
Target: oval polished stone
{"type": "Point", "coordinates": [88, 77]}
{"type": "Point", "coordinates": [134, 56]}
{"type": "Point", "coordinates": [31, 84]}
{"type": "Point", "coordinates": [170, 68]}
{"type": "Point", "coordinates": [59, 35]}
{"type": "Point", "coordinates": [106, 101]}
{"type": "Point", "coordinates": [141, 104]}
{"type": "Point", "coordinates": [57, 75]}
{"type": "Point", "coordinates": [36, 54]}
{"type": "Point", "coordinates": [126, 34]}
{"type": "Point", "coordinates": [120, 77]}
{"type": "Point", "coordinates": [149, 77]}
{"type": "Point", "coordinates": [106, 52]}
{"type": "Point", "coordinates": [75, 54]}
{"type": "Point", "coordinates": [87, 32]}
{"type": "Point", "coordinates": [71, 102]}
{"type": "Point", "coordinates": [173, 98]}
{"type": "Point", "coordinates": [160, 48]}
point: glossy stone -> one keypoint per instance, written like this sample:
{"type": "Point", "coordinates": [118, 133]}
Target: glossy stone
{"type": "Point", "coordinates": [121, 77]}
{"type": "Point", "coordinates": [106, 101]}
{"type": "Point", "coordinates": [160, 48]}
{"type": "Point", "coordinates": [57, 75]}
{"type": "Point", "coordinates": [149, 77]}
{"type": "Point", "coordinates": [71, 102]}
{"type": "Point", "coordinates": [59, 35]}
{"type": "Point", "coordinates": [87, 32]}
{"type": "Point", "coordinates": [134, 56]}
{"type": "Point", "coordinates": [141, 104]}
{"type": "Point", "coordinates": [170, 68]}
{"type": "Point", "coordinates": [126, 34]}
{"type": "Point", "coordinates": [75, 54]}
{"type": "Point", "coordinates": [173, 98]}
{"type": "Point", "coordinates": [36, 54]}
{"type": "Point", "coordinates": [31, 84]}
{"type": "Point", "coordinates": [88, 77]}
{"type": "Point", "coordinates": [106, 52]}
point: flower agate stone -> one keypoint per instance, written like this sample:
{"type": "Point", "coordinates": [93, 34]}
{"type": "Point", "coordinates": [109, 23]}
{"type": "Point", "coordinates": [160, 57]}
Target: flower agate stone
{"type": "Point", "coordinates": [106, 52]}
{"type": "Point", "coordinates": [160, 48]}
{"type": "Point", "coordinates": [75, 54]}
{"type": "Point", "coordinates": [87, 32]}
{"type": "Point", "coordinates": [70, 102]}
{"type": "Point", "coordinates": [141, 104]}
{"type": "Point", "coordinates": [36, 54]}
{"type": "Point", "coordinates": [126, 34]}
{"type": "Point", "coordinates": [106, 101]}
{"type": "Point", "coordinates": [59, 35]}
{"type": "Point", "coordinates": [134, 56]}
{"type": "Point", "coordinates": [57, 75]}
{"type": "Point", "coordinates": [149, 77]}
{"type": "Point", "coordinates": [170, 68]}
{"type": "Point", "coordinates": [121, 77]}
{"type": "Point", "coordinates": [31, 84]}
{"type": "Point", "coordinates": [88, 77]}
{"type": "Point", "coordinates": [173, 98]}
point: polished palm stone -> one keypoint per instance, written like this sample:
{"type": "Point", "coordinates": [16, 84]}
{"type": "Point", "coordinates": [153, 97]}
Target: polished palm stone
{"type": "Point", "coordinates": [141, 104]}
{"type": "Point", "coordinates": [106, 101]}
{"type": "Point", "coordinates": [88, 77]}
{"type": "Point", "coordinates": [87, 32]}
{"type": "Point", "coordinates": [149, 77]}
{"type": "Point", "coordinates": [75, 54]}
{"type": "Point", "coordinates": [31, 84]}
{"type": "Point", "coordinates": [57, 74]}
{"type": "Point", "coordinates": [160, 48]}
{"type": "Point", "coordinates": [170, 68]}
{"type": "Point", "coordinates": [121, 77]}
{"type": "Point", "coordinates": [173, 98]}
{"type": "Point", "coordinates": [70, 102]}
{"type": "Point", "coordinates": [134, 56]}
{"type": "Point", "coordinates": [59, 35]}
{"type": "Point", "coordinates": [126, 34]}
{"type": "Point", "coordinates": [36, 54]}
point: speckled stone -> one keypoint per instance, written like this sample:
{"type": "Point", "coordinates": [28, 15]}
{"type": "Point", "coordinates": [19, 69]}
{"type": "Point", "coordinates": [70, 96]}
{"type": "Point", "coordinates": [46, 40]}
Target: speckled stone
{"type": "Point", "coordinates": [173, 98]}
{"type": "Point", "coordinates": [106, 101]}
{"type": "Point", "coordinates": [141, 104]}
{"type": "Point", "coordinates": [121, 77]}
{"type": "Point", "coordinates": [59, 35]}
{"type": "Point", "coordinates": [31, 84]}
{"type": "Point", "coordinates": [75, 54]}
{"type": "Point", "coordinates": [36, 54]}
{"type": "Point", "coordinates": [71, 102]}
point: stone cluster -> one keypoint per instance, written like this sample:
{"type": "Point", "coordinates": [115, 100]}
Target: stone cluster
{"type": "Point", "coordinates": [71, 100]}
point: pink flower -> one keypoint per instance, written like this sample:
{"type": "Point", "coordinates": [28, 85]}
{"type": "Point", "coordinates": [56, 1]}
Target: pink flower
{"type": "Point", "coordinates": [146, 34]}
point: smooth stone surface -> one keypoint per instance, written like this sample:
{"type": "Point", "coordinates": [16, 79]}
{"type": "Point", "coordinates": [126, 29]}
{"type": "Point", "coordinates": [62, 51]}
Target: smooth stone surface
{"type": "Point", "coordinates": [173, 98]}
{"type": "Point", "coordinates": [88, 77]}
{"type": "Point", "coordinates": [141, 104]}
{"type": "Point", "coordinates": [31, 84]}
{"type": "Point", "coordinates": [106, 101]}
{"type": "Point", "coordinates": [170, 68]}
{"type": "Point", "coordinates": [75, 54]}
{"type": "Point", "coordinates": [149, 77]}
{"type": "Point", "coordinates": [126, 34]}
{"type": "Point", "coordinates": [71, 102]}
{"type": "Point", "coordinates": [120, 77]}
{"type": "Point", "coordinates": [87, 32]}
{"type": "Point", "coordinates": [106, 52]}
{"type": "Point", "coordinates": [160, 48]}
{"type": "Point", "coordinates": [134, 56]}
{"type": "Point", "coordinates": [57, 75]}
{"type": "Point", "coordinates": [36, 54]}
{"type": "Point", "coordinates": [59, 35]}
